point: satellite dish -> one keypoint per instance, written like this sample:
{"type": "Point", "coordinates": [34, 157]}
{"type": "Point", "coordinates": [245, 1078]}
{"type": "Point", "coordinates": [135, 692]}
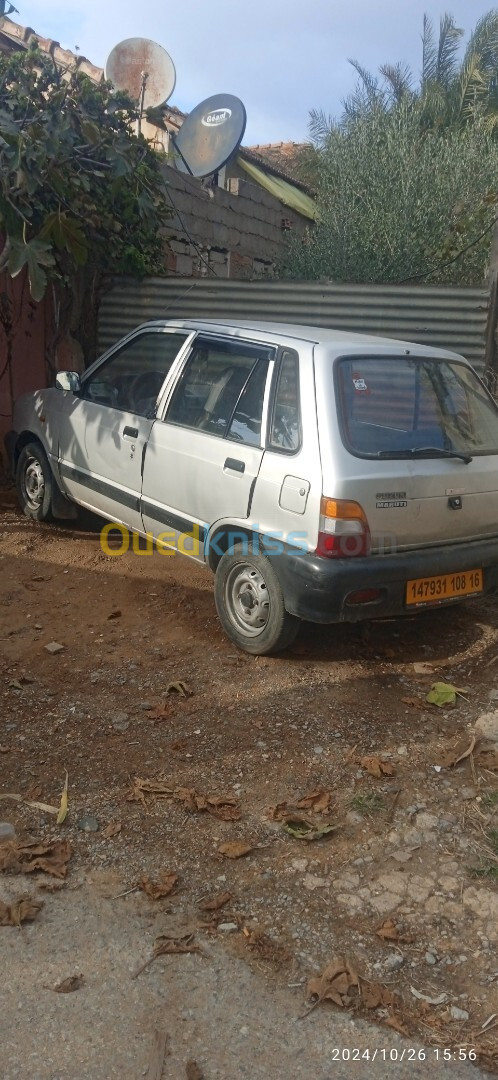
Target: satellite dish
{"type": "Point", "coordinates": [144, 69]}
{"type": "Point", "coordinates": [210, 135]}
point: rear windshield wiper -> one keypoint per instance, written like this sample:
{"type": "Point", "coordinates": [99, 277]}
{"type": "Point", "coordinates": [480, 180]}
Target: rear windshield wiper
{"type": "Point", "coordinates": [425, 451]}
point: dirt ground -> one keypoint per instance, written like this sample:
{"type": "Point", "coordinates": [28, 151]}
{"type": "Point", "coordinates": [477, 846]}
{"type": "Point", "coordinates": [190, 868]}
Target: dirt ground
{"type": "Point", "coordinates": [414, 850]}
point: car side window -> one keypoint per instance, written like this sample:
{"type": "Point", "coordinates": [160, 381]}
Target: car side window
{"type": "Point", "coordinates": [246, 421]}
{"type": "Point", "coordinates": [221, 390]}
{"type": "Point", "coordinates": [132, 377]}
{"type": "Point", "coordinates": [285, 433]}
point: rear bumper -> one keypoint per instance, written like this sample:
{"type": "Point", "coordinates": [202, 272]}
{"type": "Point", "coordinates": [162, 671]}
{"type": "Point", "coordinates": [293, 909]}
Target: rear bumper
{"type": "Point", "coordinates": [316, 589]}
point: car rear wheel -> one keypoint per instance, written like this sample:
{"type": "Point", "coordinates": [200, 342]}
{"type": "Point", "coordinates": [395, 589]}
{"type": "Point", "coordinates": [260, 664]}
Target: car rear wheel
{"type": "Point", "coordinates": [34, 483]}
{"type": "Point", "coordinates": [250, 603]}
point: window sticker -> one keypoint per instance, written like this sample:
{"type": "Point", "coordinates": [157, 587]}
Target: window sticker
{"type": "Point", "coordinates": [359, 383]}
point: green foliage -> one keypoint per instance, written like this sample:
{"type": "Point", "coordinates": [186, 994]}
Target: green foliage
{"type": "Point", "coordinates": [488, 864]}
{"type": "Point", "coordinates": [407, 179]}
{"type": "Point", "coordinates": [454, 89]}
{"type": "Point", "coordinates": [490, 799]}
{"type": "Point", "coordinates": [79, 191]}
{"type": "Point", "coordinates": [397, 199]}
{"type": "Point", "coordinates": [369, 803]}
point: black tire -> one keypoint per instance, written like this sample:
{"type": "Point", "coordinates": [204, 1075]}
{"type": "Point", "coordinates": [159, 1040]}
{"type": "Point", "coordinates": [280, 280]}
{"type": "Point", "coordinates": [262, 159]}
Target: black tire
{"type": "Point", "coordinates": [250, 603]}
{"type": "Point", "coordinates": [34, 483]}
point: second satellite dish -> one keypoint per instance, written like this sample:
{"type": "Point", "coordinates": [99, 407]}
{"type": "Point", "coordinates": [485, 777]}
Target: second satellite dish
{"type": "Point", "coordinates": [210, 135]}
{"type": "Point", "coordinates": [144, 69]}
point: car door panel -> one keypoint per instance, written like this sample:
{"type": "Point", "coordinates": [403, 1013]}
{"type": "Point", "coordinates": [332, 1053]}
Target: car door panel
{"type": "Point", "coordinates": [200, 485]}
{"type": "Point", "coordinates": [105, 472]}
{"type": "Point", "coordinates": [104, 430]}
{"type": "Point", "coordinates": [202, 460]}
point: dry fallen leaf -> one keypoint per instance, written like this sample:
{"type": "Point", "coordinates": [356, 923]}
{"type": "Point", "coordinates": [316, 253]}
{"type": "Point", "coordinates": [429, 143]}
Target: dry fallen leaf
{"type": "Point", "coordinates": [62, 815]}
{"type": "Point", "coordinates": [24, 909]}
{"type": "Point", "coordinates": [375, 766]}
{"type": "Point", "coordinates": [318, 801]}
{"type": "Point", "coordinates": [45, 807]}
{"type": "Point", "coordinates": [375, 996]}
{"type": "Point", "coordinates": [111, 830]}
{"type": "Point", "coordinates": [265, 947]}
{"type": "Point", "coordinates": [334, 983]}
{"type": "Point", "coordinates": [34, 792]}
{"type": "Point", "coordinates": [193, 1071]}
{"type": "Point", "coordinates": [115, 614]}
{"type": "Point", "coordinates": [142, 787]}
{"type": "Point", "coordinates": [234, 849]}
{"type": "Point", "coordinates": [160, 712]}
{"type": "Point", "coordinates": [415, 703]}
{"type": "Point", "coordinates": [388, 931]}
{"type": "Point", "coordinates": [67, 986]}
{"type": "Point", "coordinates": [215, 902]}
{"type": "Point", "coordinates": [462, 750]}
{"type": "Point", "coordinates": [223, 807]}
{"type": "Point", "coordinates": [302, 828]}
{"type": "Point", "coordinates": [178, 688]}
{"type": "Point", "coordinates": [165, 944]}
{"type": "Point", "coordinates": [487, 759]}
{"type": "Point", "coordinates": [396, 1024]}
{"type": "Point", "coordinates": [51, 886]}
{"type": "Point", "coordinates": [157, 889]}
{"type": "Point", "coordinates": [49, 858]}
{"type": "Point", "coordinates": [423, 668]}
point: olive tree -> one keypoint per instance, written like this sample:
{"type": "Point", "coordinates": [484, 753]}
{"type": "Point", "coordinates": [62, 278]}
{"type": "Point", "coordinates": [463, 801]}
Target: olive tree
{"type": "Point", "coordinates": [397, 202]}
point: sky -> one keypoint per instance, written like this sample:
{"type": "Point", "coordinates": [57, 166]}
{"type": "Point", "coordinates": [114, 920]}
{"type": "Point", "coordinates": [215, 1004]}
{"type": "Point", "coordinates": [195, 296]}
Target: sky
{"type": "Point", "coordinates": [282, 57]}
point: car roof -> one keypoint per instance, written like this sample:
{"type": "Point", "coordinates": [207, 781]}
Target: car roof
{"type": "Point", "coordinates": [322, 335]}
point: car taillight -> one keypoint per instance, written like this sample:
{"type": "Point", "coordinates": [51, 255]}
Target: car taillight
{"type": "Point", "coordinates": [343, 531]}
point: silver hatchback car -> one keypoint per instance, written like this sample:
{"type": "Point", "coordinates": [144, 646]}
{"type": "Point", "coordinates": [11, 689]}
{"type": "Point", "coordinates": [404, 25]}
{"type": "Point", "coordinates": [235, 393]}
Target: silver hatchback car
{"type": "Point", "coordinates": [321, 475]}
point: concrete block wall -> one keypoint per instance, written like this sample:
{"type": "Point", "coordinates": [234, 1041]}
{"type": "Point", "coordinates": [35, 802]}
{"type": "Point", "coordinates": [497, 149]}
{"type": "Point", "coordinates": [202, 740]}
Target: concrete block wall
{"type": "Point", "coordinates": [240, 233]}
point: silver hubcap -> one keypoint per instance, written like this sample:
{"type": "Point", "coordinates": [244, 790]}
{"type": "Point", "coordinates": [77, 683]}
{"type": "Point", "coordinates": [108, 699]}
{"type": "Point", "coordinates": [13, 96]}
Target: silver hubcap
{"type": "Point", "coordinates": [247, 600]}
{"type": "Point", "coordinates": [34, 483]}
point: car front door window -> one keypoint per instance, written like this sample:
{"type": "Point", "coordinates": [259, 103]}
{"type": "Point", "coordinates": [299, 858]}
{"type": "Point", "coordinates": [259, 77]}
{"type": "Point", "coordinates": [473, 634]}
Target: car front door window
{"type": "Point", "coordinates": [132, 377]}
{"type": "Point", "coordinates": [221, 391]}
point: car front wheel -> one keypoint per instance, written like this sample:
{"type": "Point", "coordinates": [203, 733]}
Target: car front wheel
{"type": "Point", "coordinates": [34, 483]}
{"type": "Point", "coordinates": [250, 603]}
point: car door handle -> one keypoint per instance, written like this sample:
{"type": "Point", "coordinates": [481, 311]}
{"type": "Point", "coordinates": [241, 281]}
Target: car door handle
{"type": "Point", "coordinates": [235, 465]}
{"type": "Point", "coordinates": [131, 432]}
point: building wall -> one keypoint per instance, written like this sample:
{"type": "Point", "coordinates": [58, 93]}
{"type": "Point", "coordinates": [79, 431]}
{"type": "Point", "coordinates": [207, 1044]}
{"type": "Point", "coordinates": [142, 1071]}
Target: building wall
{"type": "Point", "coordinates": [227, 234]}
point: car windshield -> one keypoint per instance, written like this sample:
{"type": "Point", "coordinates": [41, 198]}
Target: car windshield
{"type": "Point", "coordinates": [403, 406]}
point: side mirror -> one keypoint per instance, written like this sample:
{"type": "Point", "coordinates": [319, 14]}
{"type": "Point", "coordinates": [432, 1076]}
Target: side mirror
{"type": "Point", "coordinates": [68, 380]}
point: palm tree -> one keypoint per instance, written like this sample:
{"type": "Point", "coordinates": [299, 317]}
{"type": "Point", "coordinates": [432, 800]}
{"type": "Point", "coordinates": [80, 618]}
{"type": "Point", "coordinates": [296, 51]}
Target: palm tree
{"type": "Point", "coordinates": [453, 89]}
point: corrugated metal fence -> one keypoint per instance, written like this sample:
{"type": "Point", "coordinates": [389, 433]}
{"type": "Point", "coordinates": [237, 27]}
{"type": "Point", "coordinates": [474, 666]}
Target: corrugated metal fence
{"type": "Point", "coordinates": [445, 316]}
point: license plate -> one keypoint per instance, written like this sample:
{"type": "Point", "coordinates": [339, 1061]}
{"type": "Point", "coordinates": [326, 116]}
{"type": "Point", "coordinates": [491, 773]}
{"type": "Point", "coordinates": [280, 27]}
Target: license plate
{"type": "Point", "coordinates": [435, 590]}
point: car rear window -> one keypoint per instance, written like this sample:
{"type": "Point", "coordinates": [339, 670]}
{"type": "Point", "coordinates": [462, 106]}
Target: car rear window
{"type": "Point", "coordinates": [392, 406]}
